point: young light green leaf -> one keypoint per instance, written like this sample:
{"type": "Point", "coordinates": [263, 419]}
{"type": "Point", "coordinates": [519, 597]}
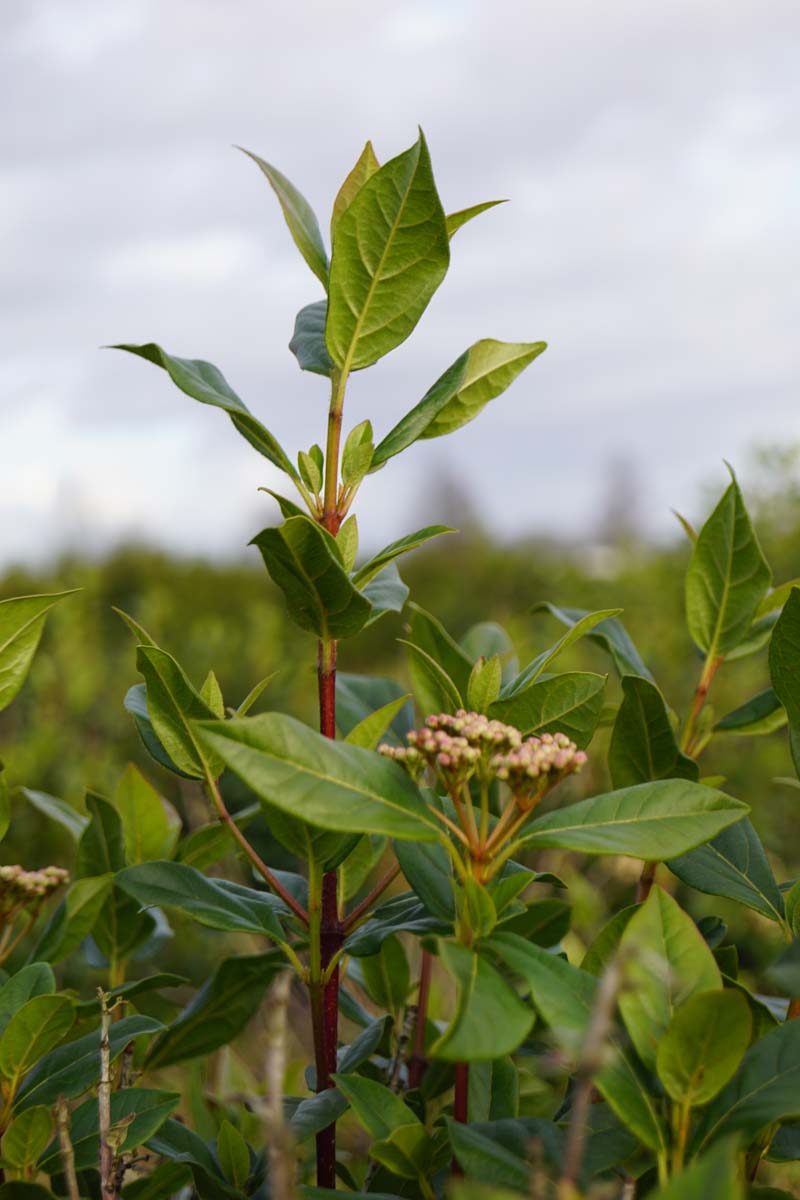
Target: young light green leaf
{"type": "Point", "coordinates": [727, 578]}
{"type": "Point", "coordinates": [366, 166]}
{"type": "Point", "coordinates": [211, 692]}
{"type": "Point", "coordinates": [489, 1020]}
{"type": "Point", "coordinates": [41, 1023]}
{"type": "Point", "coordinates": [173, 704]}
{"type": "Point", "coordinates": [643, 744]}
{"type": "Point", "coordinates": [477, 376]}
{"type": "Point", "coordinates": [36, 979]}
{"type": "Point", "coordinates": [21, 623]}
{"type": "Point", "coordinates": [703, 1045]}
{"type": "Point", "coordinates": [570, 703]}
{"type": "Point", "coordinates": [308, 340]}
{"type": "Point", "coordinates": [347, 538]}
{"type": "Point", "coordinates": [328, 784]}
{"type": "Point", "coordinates": [485, 681]}
{"type": "Point", "coordinates": [610, 634]}
{"type": "Point", "coordinates": [390, 256]}
{"type": "Point", "coordinates": [202, 381]}
{"type": "Point", "coordinates": [371, 730]}
{"type": "Point", "coordinates": [402, 546]}
{"type": "Point", "coordinates": [309, 472]}
{"type": "Point", "coordinates": [135, 703]}
{"type": "Point", "coordinates": [685, 525]}
{"type": "Point", "coordinates": [733, 865]}
{"type": "Point", "coordinates": [764, 1090]}
{"type": "Point", "coordinates": [150, 824]}
{"type": "Point", "coordinates": [306, 564]}
{"type": "Point", "coordinates": [775, 600]}
{"type": "Point", "coordinates": [457, 219]}
{"type": "Point", "coordinates": [784, 667]}
{"type": "Point", "coordinates": [760, 715]}
{"type": "Point", "coordinates": [646, 821]}
{"type": "Point", "coordinates": [358, 696]}
{"type": "Point", "coordinates": [26, 1138]}
{"type": "Point", "coordinates": [299, 216]}
{"type": "Point", "coordinates": [666, 961]}
{"type": "Point", "coordinates": [217, 903]}
{"type": "Point", "coordinates": [254, 694]}
{"type": "Point", "coordinates": [357, 454]}
{"type": "Point", "coordinates": [543, 661]}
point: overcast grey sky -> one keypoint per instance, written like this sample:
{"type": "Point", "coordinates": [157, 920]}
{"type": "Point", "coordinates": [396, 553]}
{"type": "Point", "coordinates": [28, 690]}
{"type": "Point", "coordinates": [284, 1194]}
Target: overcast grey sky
{"type": "Point", "coordinates": [650, 152]}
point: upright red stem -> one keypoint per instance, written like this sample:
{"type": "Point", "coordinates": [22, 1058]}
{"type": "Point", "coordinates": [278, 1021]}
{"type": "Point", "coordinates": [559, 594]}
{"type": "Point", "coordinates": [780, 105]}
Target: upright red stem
{"type": "Point", "coordinates": [461, 1102]}
{"type": "Point", "coordinates": [331, 939]}
{"type": "Point", "coordinates": [418, 1063]}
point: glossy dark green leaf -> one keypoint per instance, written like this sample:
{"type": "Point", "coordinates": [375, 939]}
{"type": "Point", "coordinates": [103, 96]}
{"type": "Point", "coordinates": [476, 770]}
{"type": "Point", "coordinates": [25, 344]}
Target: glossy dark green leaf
{"type": "Point", "coordinates": [174, 704]}
{"type": "Point", "coordinates": [784, 667]}
{"type": "Point", "coordinates": [31, 1033]}
{"type": "Point", "coordinates": [22, 620]}
{"type": "Point", "coordinates": [666, 963]}
{"type": "Point", "coordinates": [703, 1045]}
{"type": "Point", "coordinates": [305, 563]}
{"type": "Point", "coordinates": [217, 903]}
{"type": "Point", "coordinates": [36, 979]}
{"type": "Point", "coordinates": [402, 914]}
{"type": "Point", "coordinates": [74, 918]}
{"type": "Point", "coordinates": [653, 821]}
{"type": "Point", "coordinates": [202, 381]}
{"type": "Point", "coordinates": [57, 810]}
{"type": "Point", "coordinates": [765, 1089]}
{"type": "Point", "coordinates": [74, 1067]}
{"type": "Point", "coordinates": [365, 167]}
{"type": "Point", "coordinates": [610, 634]}
{"type": "Point", "coordinates": [457, 219]}
{"type": "Point", "coordinates": [308, 340]}
{"type": "Point", "coordinates": [493, 1090]}
{"type": "Point", "coordinates": [391, 253]}
{"type": "Point", "coordinates": [733, 865]}
{"type": "Point", "coordinates": [543, 922]}
{"type": "Point", "coordinates": [570, 703]}
{"type": "Point", "coordinates": [489, 1019]}
{"type": "Point", "coordinates": [428, 870]}
{"type": "Point", "coordinates": [135, 703]}
{"type": "Point", "coordinates": [140, 1111]}
{"type": "Point", "coordinates": [727, 579]}
{"type": "Point", "coordinates": [316, 1113]}
{"type": "Point", "coordinates": [299, 217]}
{"type": "Point", "coordinates": [176, 1142]}
{"type": "Point", "coordinates": [219, 1011]}
{"type": "Point", "coordinates": [785, 972]}
{"type": "Point", "coordinates": [328, 784]}
{"type": "Point", "coordinates": [481, 1157]}
{"type": "Point", "coordinates": [386, 975]}
{"type": "Point", "coordinates": [643, 745]}
{"type": "Point", "coordinates": [477, 376]}
{"type": "Point", "coordinates": [760, 715]}
{"type": "Point", "coordinates": [365, 1045]}
{"type": "Point", "coordinates": [395, 549]}
{"type": "Point", "coordinates": [233, 1155]}
{"type": "Point", "coordinates": [101, 850]}
{"type": "Point", "coordinates": [127, 991]}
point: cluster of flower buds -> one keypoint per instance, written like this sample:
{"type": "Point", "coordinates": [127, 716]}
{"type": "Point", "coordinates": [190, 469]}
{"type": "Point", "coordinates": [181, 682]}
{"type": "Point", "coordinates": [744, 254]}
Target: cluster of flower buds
{"type": "Point", "coordinates": [20, 888]}
{"type": "Point", "coordinates": [536, 765]}
{"type": "Point", "coordinates": [459, 745]}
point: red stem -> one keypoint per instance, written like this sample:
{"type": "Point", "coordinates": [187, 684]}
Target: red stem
{"type": "Point", "coordinates": [461, 1102]}
{"type": "Point", "coordinates": [646, 881]}
{"type": "Point", "coordinates": [331, 939]}
{"type": "Point", "coordinates": [418, 1063]}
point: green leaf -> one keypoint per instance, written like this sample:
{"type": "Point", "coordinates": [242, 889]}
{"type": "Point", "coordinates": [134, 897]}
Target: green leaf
{"type": "Point", "coordinates": [765, 1089]}
{"type": "Point", "coordinates": [202, 381]}
{"type": "Point", "coordinates": [371, 730]}
{"type": "Point", "coordinates": [402, 914]}
{"type": "Point", "coordinates": [211, 692]}
{"type": "Point", "coordinates": [406, 1152]}
{"type": "Point", "coordinates": [36, 979]}
{"type": "Point", "coordinates": [428, 871]}
{"type": "Point", "coordinates": [299, 216]}
{"type": "Point", "coordinates": [254, 694]}
{"type": "Point", "coordinates": [74, 918]}
{"type": "Point", "coordinates": [137, 1113]}
{"type": "Point", "coordinates": [434, 689]}
{"type": "Point", "coordinates": [541, 663]}
{"type": "Point", "coordinates": [21, 623]}
{"type": "Point", "coordinates": [217, 903]}
{"type": "Point", "coordinates": [666, 962]}
{"type": "Point", "coordinates": [431, 636]}
{"type": "Point", "coordinates": [347, 539]}
{"type": "Point", "coordinates": [487, 639]}
{"type": "Point", "coordinates": [405, 544]}
{"type": "Point", "coordinates": [652, 821]}
{"type": "Point", "coordinates": [477, 376]}
{"type": "Point", "coordinates": [233, 1155]}
{"type": "Point", "coordinates": [605, 945]}
{"type": "Point", "coordinates": [305, 563]}
{"type": "Point", "coordinates": [565, 996]}
{"type": "Point", "coordinates": [484, 684]}
{"type": "Point", "coordinates": [378, 1109]}
{"type": "Point", "coordinates": [386, 593]}
{"type": "Point", "coordinates": [357, 454]}
{"type": "Point", "coordinates": [754, 640]}
{"type": "Point", "coordinates": [715, 1174]}
{"type": "Point", "coordinates": [27, 1137]}
{"type": "Point", "coordinates": [733, 865]}
{"type": "Point", "coordinates": [485, 1159]}
{"type": "Point", "coordinates": [167, 1179]}
{"type": "Point", "coordinates": [127, 991]}
{"type": "Point", "coordinates": [174, 704]}
{"type": "Point", "coordinates": [366, 1044]}
{"type": "Point", "coordinates": [543, 922]}
{"type": "Point", "coordinates": [784, 668]}
{"type": "Point", "coordinates": [325, 783]}
{"type": "Point", "coordinates": [150, 824]}
{"type": "Point", "coordinates": [457, 219]}
{"type": "Point", "coordinates": [775, 600]}
{"type": "Point", "coordinates": [38, 1026]}
{"type": "Point", "coordinates": [727, 578]}
{"type": "Point", "coordinates": [610, 634]}
{"type": "Point", "coordinates": [135, 703]}
{"type": "Point", "coordinates": [489, 1020]}
{"type": "Point", "coordinates": [74, 1067]}
{"type": "Point", "coordinates": [391, 254]}
{"type": "Point", "coordinates": [366, 166]}
{"type": "Point", "coordinates": [643, 745]}
{"type": "Point", "coordinates": [359, 696]}
{"type": "Point", "coordinates": [101, 850]}
{"type": "Point", "coordinates": [219, 1011]}
{"type": "Point", "coordinates": [57, 810]}
{"type": "Point", "coordinates": [703, 1045]}
{"type": "Point", "coordinates": [309, 472]}
{"type": "Point", "coordinates": [317, 1113]}
{"type": "Point", "coordinates": [570, 703]}
{"type": "Point", "coordinates": [386, 975]}
{"type": "Point", "coordinates": [308, 340]}
{"type": "Point", "coordinates": [761, 714]}
{"type": "Point", "coordinates": [785, 972]}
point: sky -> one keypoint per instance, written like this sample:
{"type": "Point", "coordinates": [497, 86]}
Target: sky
{"type": "Point", "coordinates": [649, 153]}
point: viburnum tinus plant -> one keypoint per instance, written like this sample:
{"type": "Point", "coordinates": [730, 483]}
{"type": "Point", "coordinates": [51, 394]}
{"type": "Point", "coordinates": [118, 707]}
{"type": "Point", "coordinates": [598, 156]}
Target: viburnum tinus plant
{"type": "Point", "coordinates": [418, 914]}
